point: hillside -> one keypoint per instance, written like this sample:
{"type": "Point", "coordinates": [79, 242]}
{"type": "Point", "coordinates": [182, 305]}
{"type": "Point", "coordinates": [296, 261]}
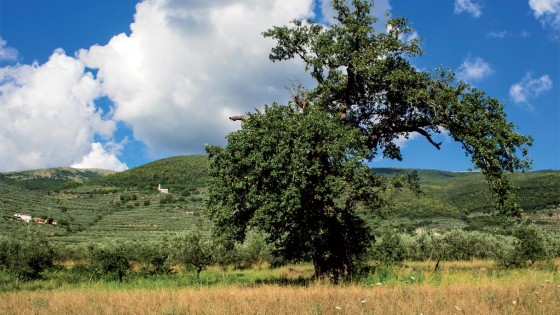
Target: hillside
{"type": "Point", "coordinates": [53, 178]}
{"type": "Point", "coordinates": [181, 174]}
{"type": "Point", "coordinates": [93, 204]}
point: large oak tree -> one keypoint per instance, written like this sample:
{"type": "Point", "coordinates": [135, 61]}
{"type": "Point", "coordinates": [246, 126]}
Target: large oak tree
{"type": "Point", "coordinates": [298, 172]}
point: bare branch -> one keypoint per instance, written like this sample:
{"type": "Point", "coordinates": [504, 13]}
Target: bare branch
{"type": "Point", "coordinates": [236, 118]}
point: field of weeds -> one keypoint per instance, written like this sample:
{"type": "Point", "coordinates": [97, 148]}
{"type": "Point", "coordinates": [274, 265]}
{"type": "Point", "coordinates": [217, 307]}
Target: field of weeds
{"type": "Point", "coordinates": [458, 288]}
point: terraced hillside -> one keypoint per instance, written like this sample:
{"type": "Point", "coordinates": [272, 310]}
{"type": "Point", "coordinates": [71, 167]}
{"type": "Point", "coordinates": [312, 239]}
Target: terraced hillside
{"type": "Point", "coordinates": [90, 205]}
{"type": "Point", "coordinates": [463, 200]}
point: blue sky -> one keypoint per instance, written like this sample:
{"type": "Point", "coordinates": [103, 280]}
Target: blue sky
{"type": "Point", "coordinates": [115, 84]}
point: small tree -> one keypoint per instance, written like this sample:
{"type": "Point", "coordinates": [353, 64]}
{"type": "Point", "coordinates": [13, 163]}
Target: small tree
{"type": "Point", "coordinates": [109, 259]}
{"type": "Point", "coordinates": [25, 255]}
{"type": "Point", "coordinates": [530, 245]}
{"type": "Point", "coordinates": [194, 250]}
{"type": "Point", "coordinates": [154, 255]}
{"type": "Point", "coordinates": [390, 249]}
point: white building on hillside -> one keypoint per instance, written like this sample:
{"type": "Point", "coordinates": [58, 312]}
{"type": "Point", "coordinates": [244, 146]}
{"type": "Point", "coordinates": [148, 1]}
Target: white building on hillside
{"type": "Point", "coordinates": [162, 190]}
{"type": "Point", "coordinates": [23, 217]}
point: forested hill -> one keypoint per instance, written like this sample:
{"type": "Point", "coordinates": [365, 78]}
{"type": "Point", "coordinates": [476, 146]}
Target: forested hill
{"type": "Point", "coordinates": [52, 178]}
{"type": "Point", "coordinates": [89, 204]}
{"type": "Point", "coordinates": [179, 173]}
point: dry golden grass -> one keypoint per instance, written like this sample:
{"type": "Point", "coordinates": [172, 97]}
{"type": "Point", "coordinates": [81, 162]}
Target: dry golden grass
{"type": "Point", "coordinates": [475, 287]}
{"type": "Point", "coordinates": [522, 298]}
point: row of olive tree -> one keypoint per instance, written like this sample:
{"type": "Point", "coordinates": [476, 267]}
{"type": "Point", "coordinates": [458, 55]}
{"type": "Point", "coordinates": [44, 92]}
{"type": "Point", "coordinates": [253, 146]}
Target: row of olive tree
{"type": "Point", "coordinates": [194, 250]}
{"type": "Point", "coordinates": [525, 245]}
{"type": "Point", "coordinates": [26, 256]}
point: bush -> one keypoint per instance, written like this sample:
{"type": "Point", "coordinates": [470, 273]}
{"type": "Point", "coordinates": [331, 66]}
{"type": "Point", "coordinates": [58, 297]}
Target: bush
{"type": "Point", "coordinates": [109, 259]}
{"type": "Point", "coordinates": [154, 255]}
{"type": "Point", "coordinates": [389, 249]}
{"type": "Point", "coordinates": [25, 256]}
{"type": "Point", "coordinates": [193, 249]}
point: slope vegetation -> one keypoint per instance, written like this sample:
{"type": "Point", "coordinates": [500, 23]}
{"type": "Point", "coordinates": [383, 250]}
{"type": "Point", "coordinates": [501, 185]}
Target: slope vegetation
{"type": "Point", "coordinates": [89, 205]}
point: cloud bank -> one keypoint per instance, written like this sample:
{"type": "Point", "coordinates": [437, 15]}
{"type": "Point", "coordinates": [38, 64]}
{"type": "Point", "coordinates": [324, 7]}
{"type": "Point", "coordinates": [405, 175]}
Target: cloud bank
{"type": "Point", "coordinates": [183, 70]}
{"type": "Point", "coordinates": [48, 113]}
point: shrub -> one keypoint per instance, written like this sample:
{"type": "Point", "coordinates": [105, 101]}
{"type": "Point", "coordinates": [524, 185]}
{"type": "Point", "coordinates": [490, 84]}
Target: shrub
{"type": "Point", "coordinates": [390, 249]}
{"type": "Point", "coordinates": [109, 259]}
{"type": "Point", "coordinates": [25, 256]}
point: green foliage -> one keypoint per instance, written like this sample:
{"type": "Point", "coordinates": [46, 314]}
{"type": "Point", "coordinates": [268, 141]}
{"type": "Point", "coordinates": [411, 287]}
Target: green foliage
{"type": "Point", "coordinates": [25, 255]}
{"type": "Point", "coordinates": [153, 255]}
{"type": "Point", "coordinates": [365, 77]}
{"type": "Point", "coordinates": [111, 259]}
{"type": "Point", "coordinates": [297, 171]}
{"type": "Point", "coordinates": [389, 249]}
{"type": "Point", "coordinates": [194, 249]}
{"type": "Point", "coordinates": [180, 174]}
{"type": "Point", "coordinates": [253, 252]}
{"type": "Point", "coordinates": [531, 244]}
{"type": "Point", "coordinates": [297, 175]}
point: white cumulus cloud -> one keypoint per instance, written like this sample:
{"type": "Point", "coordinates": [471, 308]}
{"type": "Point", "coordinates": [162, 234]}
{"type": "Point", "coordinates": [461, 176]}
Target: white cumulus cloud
{"type": "Point", "coordinates": [474, 69]}
{"type": "Point", "coordinates": [187, 66]}
{"type": "Point", "coordinates": [468, 6]}
{"type": "Point", "coordinates": [47, 113]}
{"type": "Point", "coordinates": [100, 158]}
{"type": "Point", "coordinates": [547, 11]}
{"type": "Point", "coordinates": [528, 88]}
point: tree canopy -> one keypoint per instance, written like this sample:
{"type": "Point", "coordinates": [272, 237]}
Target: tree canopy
{"type": "Point", "coordinates": [365, 76]}
{"type": "Point", "coordinates": [297, 171]}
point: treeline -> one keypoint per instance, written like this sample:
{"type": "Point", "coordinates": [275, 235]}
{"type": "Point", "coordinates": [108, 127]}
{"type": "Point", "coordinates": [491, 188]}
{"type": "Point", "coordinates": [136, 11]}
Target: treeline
{"type": "Point", "coordinates": [28, 256]}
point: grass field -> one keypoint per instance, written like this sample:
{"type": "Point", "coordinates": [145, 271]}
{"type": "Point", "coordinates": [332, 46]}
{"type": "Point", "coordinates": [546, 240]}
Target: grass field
{"type": "Point", "coordinates": [476, 287]}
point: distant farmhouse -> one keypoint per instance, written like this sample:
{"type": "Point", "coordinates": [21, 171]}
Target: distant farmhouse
{"type": "Point", "coordinates": [23, 217]}
{"type": "Point", "coordinates": [162, 190]}
{"type": "Point", "coordinates": [28, 218]}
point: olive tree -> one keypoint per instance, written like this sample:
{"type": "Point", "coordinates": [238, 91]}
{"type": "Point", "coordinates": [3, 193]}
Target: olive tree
{"type": "Point", "coordinates": [111, 259]}
{"type": "Point", "coordinates": [193, 249]}
{"type": "Point", "coordinates": [25, 255]}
